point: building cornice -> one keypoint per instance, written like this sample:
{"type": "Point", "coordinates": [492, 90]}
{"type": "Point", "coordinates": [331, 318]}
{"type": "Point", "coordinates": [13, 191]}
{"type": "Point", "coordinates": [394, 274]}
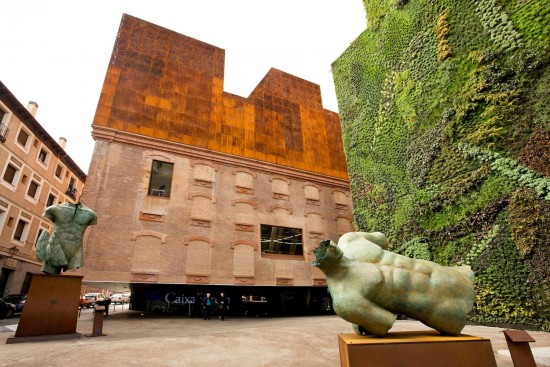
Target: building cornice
{"type": "Point", "coordinates": [123, 137]}
{"type": "Point", "coordinates": [30, 122]}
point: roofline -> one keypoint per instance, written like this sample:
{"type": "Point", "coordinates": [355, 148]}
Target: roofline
{"type": "Point", "coordinates": [7, 97]}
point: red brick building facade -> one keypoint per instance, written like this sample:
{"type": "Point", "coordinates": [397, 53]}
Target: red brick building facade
{"type": "Point", "coordinates": [197, 189]}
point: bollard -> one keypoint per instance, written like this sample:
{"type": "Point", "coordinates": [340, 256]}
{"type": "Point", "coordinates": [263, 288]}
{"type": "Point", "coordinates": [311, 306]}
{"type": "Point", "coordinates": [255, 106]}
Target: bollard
{"type": "Point", "coordinates": [520, 351]}
{"type": "Point", "coordinates": [98, 321]}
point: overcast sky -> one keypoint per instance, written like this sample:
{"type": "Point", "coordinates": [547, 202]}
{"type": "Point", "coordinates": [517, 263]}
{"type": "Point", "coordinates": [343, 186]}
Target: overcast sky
{"type": "Point", "coordinates": [55, 52]}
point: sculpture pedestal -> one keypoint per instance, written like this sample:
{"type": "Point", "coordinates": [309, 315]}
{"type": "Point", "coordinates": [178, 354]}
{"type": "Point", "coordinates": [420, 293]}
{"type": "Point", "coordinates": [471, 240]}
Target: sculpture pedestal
{"type": "Point", "coordinates": [415, 349]}
{"type": "Point", "coordinates": [51, 307]}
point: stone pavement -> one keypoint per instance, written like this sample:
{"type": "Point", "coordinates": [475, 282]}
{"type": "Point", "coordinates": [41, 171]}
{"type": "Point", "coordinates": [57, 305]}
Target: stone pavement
{"type": "Point", "coordinates": [146, 339]}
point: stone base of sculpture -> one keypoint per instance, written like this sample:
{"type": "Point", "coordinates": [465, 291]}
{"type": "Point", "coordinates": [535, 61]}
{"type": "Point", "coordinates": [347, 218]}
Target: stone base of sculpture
{"type": "Point", "coordinates": [51, 307]}
{"type": "Point", "coordinates": [415, 349]}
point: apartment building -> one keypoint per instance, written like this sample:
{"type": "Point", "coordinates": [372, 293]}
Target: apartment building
{"type": "Point", "coordinates": [35, 173]}
{"type": "Point", "coordinates": [199, 190]}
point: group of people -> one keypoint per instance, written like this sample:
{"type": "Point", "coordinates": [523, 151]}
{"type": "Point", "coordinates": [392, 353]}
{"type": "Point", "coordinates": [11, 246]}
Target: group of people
{"type": "Point", "coordinates": [220, 303]}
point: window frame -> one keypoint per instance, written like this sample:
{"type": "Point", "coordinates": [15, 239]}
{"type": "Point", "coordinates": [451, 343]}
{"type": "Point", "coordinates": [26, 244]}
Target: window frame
{"type": "Point", "coordinates": [55, 199]}
{"type": "Point", "coordinates": [164, 186]}
{"type": "Point", "coordinates": [17, 175]}
{"type": "Point", "coordinates": [3, 216]}
{"type": "Point", "coordinates": [37, 190]}
{"type": "Point", "coordinates": [27, 144]}
{"type": "Point", "coordinates": [60, 177]}
{"type": "Point", "coordinates": [280, 253]}
{"type": "Point", "coordinates": [47, 156]}
{"type": "Point", "coordinates": [24, 232]}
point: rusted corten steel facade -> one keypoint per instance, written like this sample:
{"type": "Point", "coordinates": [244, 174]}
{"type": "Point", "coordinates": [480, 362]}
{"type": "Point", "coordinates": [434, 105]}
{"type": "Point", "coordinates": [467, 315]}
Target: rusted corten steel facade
{"type": "Point", "coordinates": [274, 158]}
{"type": "Point", "coordinates": [168, 86]}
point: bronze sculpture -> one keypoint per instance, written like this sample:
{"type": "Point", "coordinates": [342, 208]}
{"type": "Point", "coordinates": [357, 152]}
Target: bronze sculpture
{"type": "Point", "coordinates": [63, 249]}
{"type": "Point", "coordinates": [370, 285]}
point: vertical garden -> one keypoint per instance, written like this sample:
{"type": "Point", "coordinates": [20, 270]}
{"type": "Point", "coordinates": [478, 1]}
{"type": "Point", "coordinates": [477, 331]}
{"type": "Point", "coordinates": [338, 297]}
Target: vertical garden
{"type": "Point", "coordinates": [445, 110]}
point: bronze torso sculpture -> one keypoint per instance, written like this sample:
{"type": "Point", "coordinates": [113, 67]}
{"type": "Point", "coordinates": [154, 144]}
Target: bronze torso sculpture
{"type": "Point", "coordinates": [369, 285]}
{"type": "Point", "coordinates": [63, 249]}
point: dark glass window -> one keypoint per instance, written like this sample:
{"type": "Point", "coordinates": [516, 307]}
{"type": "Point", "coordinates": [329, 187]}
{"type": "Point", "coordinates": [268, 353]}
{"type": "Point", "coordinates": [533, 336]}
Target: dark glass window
{"type": "Point", "coordinates": [42, 156]}
{"type": "Point", "coordinates": [9, 175]}
{"type": "Point", "coordinates": [18, 235]}
{"type": "Point", "coordinates": [58, 171]}
{"type": "Point", "coordinates": [161, 178]}
{"type": "Point", "coordinates": [281, 240]}
{"type": "Point", "coordinates": [23, 137]}
{"type": "Point", "coordinates": [33, 188]}
{"type": "Point", "coordinates": [51, 200]}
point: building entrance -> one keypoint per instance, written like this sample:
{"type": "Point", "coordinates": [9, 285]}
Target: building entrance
{"type": "Point", "coordinates": [4, 276]}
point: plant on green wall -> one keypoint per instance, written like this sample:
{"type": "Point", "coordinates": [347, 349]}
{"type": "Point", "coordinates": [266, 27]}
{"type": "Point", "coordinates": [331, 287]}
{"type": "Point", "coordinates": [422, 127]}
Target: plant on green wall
{"type": "Point", "coordinates": [526, 219]}
{"type": "Point", "coordinates": [441, 29]}
{"type": "Point", "coordinates": [510, 169]}
{"type": "Point", "coordinates": [416, 249]}
{"type": "Point", "coordinates": [497, 23]}
{"type": "Point", "coordinates": [445, 124]}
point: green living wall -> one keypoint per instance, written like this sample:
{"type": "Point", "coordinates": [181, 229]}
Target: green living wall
{"type": "Point", "coordinates": [445, 110]}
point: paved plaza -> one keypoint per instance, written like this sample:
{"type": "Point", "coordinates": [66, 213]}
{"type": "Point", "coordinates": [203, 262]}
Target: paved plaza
{"type": "Point", "coordinates": [147, 339]}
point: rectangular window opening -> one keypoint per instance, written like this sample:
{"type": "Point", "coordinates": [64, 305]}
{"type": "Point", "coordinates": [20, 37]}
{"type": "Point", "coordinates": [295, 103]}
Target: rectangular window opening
{"type": "Point", "coordinates": [51, 200]}
{"type": "Point", "coordinates": [23, 138]}
{"type": "Point", "coordinates": [281, 240]}
{"type": "Point", "coordinates": [58, 171]}
{"type": "Point", "coordinates": [42, 156]}
{"type": "Point", "coordinates": [9, 174]}
{"type": "Point", "coordinates": [33, 189]}
{"type": "Point", "coordinates": [20, 230]}
{"type": "Point", "coordinates": [160, 182]}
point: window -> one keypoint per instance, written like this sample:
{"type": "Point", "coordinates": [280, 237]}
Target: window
{"type": "Point", "coordinates": [3, 127]}
{"type": "Point", "coordinates": [21, 231]}
{"type": "Point", "coordinates": [71, 190]}
{"type": "Point", "coordinates": [58, 171]}
{"type": "Point", "coordinates": [39, 234]}
{"type": "Point", "coordinates": [161, 178]}
{"type": "Point", "coordinates": [51, 200]}
{"type": "Point", "coordinates": [2, 218]}
{"type": "Point", "coordinates": [10, 174]}
{"type": "Point", "coordinates": [43, 156]}
{"type": "Point", "coordinates": [281, 240]}
{"type": "Point", "coordinates": [23, 138]}
{"type": "Point", "coordinates": [33, 189]}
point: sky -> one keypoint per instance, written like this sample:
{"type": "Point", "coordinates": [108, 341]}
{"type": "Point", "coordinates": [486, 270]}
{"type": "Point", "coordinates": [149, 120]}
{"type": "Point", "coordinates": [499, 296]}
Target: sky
{"type": "Point", "coordinates": [56, 52]}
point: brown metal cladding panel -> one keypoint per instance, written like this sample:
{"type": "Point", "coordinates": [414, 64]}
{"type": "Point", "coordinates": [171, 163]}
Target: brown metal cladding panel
{"type": "Point", "coordinates": [169, 86]}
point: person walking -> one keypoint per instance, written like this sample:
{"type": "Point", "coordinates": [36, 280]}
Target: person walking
{"type": "Point", "coordinates": [222, 305]}
{"type": "Point", "coordinates": [207, 306]}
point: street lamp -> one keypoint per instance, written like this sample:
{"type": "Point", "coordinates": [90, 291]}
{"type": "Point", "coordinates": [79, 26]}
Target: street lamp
{"type": "Point", "coordinates": [13, 251]}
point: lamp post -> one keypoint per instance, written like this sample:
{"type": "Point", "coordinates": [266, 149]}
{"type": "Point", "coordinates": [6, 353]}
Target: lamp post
{"type": "Point", "coordinates": [13, 251]}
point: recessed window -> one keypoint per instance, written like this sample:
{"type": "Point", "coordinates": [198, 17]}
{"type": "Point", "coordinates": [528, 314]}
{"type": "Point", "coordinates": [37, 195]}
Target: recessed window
{"type": "Point", "coordinates": [33, 189]}
{"type": "Point", "coordinates": [10, 174]}
{"type": "Point", "coordinates": [2, 219]}
{"type": "Point", "coordinates": [71, 190]}
{"type": "Point", "coordinates": [23, 138]}
{"type": "Point", "coordinates": [3, 127]}
{"type": "Point", "coordinates": [281, 240]}
{"type": "Point", "coordinates": [43, 156]}
{"type": "Point", "coordinates": [161, 178]}
{"type": "Point", "coordinates": [21, 230]}
{"type": "Point", "coordinates": [39, 233]}
{"type": "Point", "coordinates": [58, 171]}
{"type": "Point", "coordinates": [51, 200]}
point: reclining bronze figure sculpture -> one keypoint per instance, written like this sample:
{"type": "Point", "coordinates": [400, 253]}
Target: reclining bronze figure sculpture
{"type": "Point", "coordinates": [370, 285]}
